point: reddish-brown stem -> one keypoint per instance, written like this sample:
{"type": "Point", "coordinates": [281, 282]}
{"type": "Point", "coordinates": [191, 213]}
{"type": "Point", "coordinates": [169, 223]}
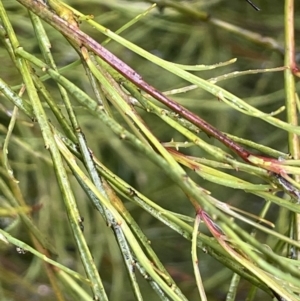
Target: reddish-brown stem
{"type": "Point", "coordinates": [81, 39]}
{"type": "Point", "coordinates": [74, 34]}
{"type": "Point", "coordinates": [214, 229]}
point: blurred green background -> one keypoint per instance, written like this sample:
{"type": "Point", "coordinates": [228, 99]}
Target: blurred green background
{"type": "Point", "coordinates": [175, 37]}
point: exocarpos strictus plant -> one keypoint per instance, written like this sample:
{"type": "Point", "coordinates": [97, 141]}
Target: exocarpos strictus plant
{"type": "Point", "coordinates": [150, 150]}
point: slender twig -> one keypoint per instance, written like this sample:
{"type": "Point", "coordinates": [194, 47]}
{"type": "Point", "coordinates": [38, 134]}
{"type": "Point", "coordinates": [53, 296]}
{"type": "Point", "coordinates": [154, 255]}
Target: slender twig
{"type": "Point", "coordinates": [253, 5]}
{"type": "Point", "coordinates": [291, 103]}
{"type": "Point", "coordinates": [196, 267]}
{"type": "Point", "coordinates": [68, 196]}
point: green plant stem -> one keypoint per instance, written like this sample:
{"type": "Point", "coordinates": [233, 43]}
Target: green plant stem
{"type": "Point", "coordinates": [207, 244]}
{"type": "Point", "coordinates": [291, 103]}
{"type": "Point", "coordinates": [233, 287]}
{"type": "Point", "coordinates": [118, 220]}
{"type": "Point", "coordinates": [45, 47]}
{"type": "Point", "coordinates": [72, 210]}
{"type": "Point", "coordinates": [12, 240]}
{"type": "Point", "coordinates": [6, 143]}
{"type": "Point", "coordinates": [178, 178]}
{"type": "Point", "coordinates": [78, 37]}
{"type": "Point", "coordinates": [195, 260]}
{"type": "Point", "coordinates": [19, 102]}
{"type": "Point", "coordinates": [143, 239]}
{"type": "Point", "coordinates": [269, 279]}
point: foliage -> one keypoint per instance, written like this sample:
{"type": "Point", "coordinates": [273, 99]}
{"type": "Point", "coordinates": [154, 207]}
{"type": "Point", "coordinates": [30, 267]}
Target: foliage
{"type": "Point", "coordinates": [176, 178]}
